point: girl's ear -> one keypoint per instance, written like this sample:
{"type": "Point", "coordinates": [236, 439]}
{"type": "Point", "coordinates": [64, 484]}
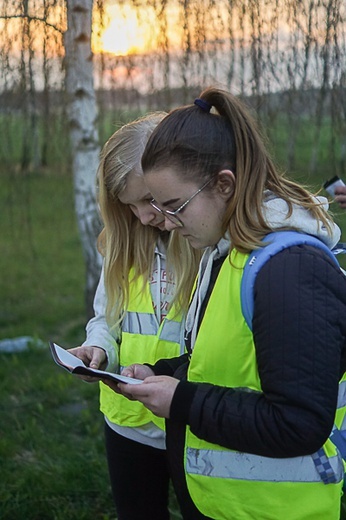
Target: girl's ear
{"type": "Point", "coordinates": [225, 183]}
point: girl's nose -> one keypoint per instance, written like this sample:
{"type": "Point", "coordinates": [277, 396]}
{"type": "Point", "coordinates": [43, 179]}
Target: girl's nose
{"type": "Point", "coordinates": [146, 215]}
{"type": "Point", "coordinates": [169, 225]}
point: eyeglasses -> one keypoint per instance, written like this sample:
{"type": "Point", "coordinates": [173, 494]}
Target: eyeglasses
{"type": "Point", "coordinates": [172, 215]}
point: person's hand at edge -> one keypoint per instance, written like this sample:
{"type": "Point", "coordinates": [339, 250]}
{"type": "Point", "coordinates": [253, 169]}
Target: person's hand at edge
{"type": "Point", "coordinates": [340, 196]}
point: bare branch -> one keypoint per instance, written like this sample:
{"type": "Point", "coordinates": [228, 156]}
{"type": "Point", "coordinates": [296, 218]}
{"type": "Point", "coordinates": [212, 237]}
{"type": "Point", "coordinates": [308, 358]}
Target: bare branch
{"type": "Point", "coordinates": [32, 19]}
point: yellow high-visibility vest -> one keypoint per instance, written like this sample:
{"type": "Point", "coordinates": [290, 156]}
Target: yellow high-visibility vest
{"type": "Point", "coordinates": [230, 485]}
{"type": "Point", "coordinates": [144, 340]}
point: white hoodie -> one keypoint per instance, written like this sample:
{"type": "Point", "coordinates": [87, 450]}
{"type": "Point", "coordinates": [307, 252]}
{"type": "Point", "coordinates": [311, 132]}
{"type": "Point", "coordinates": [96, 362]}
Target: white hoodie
{"type": "Point", "coordinates": [276, 215]}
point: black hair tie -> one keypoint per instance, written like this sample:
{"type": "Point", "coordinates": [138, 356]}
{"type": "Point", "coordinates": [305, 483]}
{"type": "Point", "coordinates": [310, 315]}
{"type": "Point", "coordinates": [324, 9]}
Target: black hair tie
{"type": "Point", "coordinates": [204, 105]}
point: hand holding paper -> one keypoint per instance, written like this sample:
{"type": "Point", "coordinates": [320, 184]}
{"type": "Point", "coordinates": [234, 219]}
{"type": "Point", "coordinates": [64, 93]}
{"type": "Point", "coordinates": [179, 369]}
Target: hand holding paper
{"type": "Point", "coordinates": [75, 365]}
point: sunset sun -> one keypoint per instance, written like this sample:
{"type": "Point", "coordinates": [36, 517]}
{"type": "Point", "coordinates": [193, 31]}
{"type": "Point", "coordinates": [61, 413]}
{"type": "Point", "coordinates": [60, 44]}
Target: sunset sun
{"type": "Point", "coordinates": [124, 34]}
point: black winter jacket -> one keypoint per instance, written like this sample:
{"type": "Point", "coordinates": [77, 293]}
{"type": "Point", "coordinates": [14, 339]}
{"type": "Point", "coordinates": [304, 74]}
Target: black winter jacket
{"type": "Point", "coordinates": [299, 329]}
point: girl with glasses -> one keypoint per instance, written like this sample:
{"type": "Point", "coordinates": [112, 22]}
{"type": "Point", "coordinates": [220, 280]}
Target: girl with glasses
{"type": "Point", "coordinates": [249, 409]}
{"type": "Point", "coordinates": [143, 292]}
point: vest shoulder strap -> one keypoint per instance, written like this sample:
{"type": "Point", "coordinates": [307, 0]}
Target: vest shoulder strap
{"type": "Point", "coordinates": [273, 244]}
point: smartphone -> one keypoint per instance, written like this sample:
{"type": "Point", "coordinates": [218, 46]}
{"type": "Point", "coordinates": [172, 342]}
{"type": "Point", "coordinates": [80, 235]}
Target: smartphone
{"type": "Point", "coordinates": [330, 185]}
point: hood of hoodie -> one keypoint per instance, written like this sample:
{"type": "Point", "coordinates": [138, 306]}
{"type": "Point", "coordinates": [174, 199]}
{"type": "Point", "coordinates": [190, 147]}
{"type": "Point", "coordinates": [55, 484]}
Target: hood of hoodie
{"type": "Point", "coordinates": [276, 214]}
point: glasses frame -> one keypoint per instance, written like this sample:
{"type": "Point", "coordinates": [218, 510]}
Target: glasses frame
{"type": "Point", "coordinates": [172, 215]}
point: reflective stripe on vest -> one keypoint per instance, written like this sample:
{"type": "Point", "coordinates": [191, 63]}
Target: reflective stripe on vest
{"type": "Point", "coordinates": [146, 324]}
{"type": "Point", "coordinates": [140, 323]}
{"type": "Point", "coordinates": [244, 466]}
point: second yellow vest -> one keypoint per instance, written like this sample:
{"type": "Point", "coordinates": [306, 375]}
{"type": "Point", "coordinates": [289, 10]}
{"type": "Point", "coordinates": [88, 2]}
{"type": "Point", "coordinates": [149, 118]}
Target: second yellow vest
{"type": "Point", "coordinates": [144, 340]}
{"type": "Point", "coordinates": [230, 485]}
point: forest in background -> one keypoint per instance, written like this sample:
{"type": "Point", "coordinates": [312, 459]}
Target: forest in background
{"type": "Point", "coordinates": [288, 58]}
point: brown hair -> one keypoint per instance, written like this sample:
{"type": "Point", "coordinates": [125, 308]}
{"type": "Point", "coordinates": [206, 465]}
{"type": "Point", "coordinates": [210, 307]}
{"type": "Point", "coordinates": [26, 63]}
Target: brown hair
{"type": "Point", "coordinates": [198, 144]}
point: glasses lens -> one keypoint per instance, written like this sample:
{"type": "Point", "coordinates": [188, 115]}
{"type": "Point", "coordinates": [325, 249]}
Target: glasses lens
{"type": "Point", "coordinates": [175, 220]}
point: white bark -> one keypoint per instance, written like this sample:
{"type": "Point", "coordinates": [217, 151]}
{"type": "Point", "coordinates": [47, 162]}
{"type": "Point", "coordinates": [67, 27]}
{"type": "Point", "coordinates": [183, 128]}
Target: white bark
{"type": "Point", "coordinates": [82, 115]}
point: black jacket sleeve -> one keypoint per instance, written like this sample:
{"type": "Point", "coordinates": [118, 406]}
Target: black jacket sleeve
{"type": "Point", "coordinates": [299, 329]}
{"type": "Point", "coordinates": [167, 367]}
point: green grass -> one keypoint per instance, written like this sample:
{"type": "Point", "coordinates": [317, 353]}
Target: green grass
{"type": "Point", "coordinates": [25, 140]}
{"type": "Point", "coordinates": [51, 431]}
{"type": "Point", "coordinates": [293, 143]}
{"type": "Point", "coordinates": [51, 443]}
{"type": "Point", "coordinates": [42, 286]}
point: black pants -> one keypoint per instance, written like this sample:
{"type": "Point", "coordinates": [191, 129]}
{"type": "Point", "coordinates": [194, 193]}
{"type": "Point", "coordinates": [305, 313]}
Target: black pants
{"type": "Point", "coordinates": [139, 478]}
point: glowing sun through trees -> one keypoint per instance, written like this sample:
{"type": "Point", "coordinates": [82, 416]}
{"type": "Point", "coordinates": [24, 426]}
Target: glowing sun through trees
{"type": "Point", "coordinates": [125, 32]}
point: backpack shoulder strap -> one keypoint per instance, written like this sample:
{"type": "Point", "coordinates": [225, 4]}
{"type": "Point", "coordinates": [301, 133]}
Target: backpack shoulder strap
{"type": "Point", "coordinates": [273, 243]}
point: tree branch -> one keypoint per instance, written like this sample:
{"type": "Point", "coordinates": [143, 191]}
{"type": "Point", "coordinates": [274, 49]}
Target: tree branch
{"type": "Point", "coordinates": [31, 19]}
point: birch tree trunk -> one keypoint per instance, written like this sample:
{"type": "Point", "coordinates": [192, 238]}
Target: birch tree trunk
{"type": "Point", "coordinates": [82, 114]}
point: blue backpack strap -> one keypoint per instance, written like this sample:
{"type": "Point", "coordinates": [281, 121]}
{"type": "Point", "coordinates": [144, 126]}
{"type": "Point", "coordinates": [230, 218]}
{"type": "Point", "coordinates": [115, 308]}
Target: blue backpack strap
{"type": "Point", "coordinates": [276, 242]}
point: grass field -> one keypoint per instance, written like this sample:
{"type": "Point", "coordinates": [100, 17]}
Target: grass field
{"type": "Point", "coordinates": [51, 446]}
{"type": "Point", "coordinates": [52, 459]}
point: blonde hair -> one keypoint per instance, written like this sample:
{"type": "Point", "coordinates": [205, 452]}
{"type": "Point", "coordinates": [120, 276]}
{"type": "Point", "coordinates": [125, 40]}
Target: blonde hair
{"type": "Point", "coordinates": [127, 245]}
{"type": "Point", "coordinates": [199, 144]}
